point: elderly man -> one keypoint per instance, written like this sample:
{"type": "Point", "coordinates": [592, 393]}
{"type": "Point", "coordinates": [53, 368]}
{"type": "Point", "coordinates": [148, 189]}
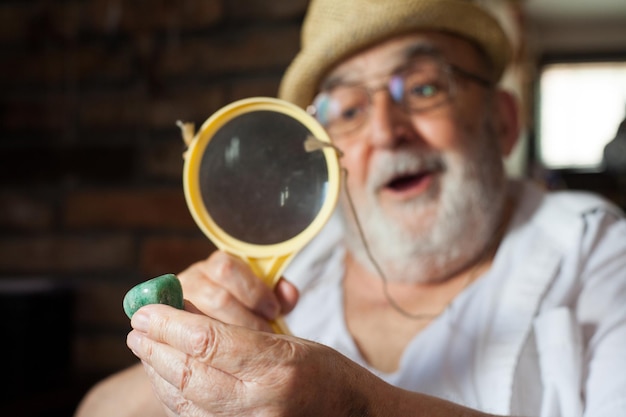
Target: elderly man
{"type": "Point", "coordinates": [472, 295]}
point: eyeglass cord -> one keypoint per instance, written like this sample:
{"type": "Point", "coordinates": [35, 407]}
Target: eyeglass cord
{"type": "Point", "coordinates": [392, 302]}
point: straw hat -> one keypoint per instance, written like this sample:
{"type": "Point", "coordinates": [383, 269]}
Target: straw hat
{"type": "Point", "coordinates": [335, 29]}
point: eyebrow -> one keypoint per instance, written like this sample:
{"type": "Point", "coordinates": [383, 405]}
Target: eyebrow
{"type": "Point", "coordinates": [406, 55]}
{"type": "Point", "coordinates": [419, 49]}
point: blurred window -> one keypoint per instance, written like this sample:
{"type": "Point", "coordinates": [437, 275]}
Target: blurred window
{"type": "Point", "coordinates": [580, 108]}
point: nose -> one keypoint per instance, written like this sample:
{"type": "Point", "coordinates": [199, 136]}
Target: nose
{"type": "Point", "coordinates": [389, 124]}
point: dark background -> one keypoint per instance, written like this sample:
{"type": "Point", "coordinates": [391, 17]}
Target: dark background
{"type": "Point", "coordinates": [91, 198]}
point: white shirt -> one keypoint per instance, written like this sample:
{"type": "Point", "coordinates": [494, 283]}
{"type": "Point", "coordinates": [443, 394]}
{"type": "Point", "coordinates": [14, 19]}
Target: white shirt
{"type": "Point", "coordinates": [542, 333]}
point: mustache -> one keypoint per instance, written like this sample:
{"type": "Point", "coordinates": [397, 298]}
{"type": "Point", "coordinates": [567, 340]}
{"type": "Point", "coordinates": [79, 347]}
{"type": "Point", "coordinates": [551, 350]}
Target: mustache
{"type": "Point", "coordinates": [392, 166]}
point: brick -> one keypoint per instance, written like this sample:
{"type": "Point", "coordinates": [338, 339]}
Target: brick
{"type": "Point", "coordinates": [66, 20]}
{"type": "Point", "coordinates": [63, 20]}
{"type": "Point", "coordinates": [246, 50]}
{"type": "Point", "coordinates": [164, 160]}
{"type": "Point", "coordinates": [52, 254]}
{"type": "Point", "coordinates": [162, 255]}
{"type": "Point", "coordinates": [53, 47]}
{"type": "Point", "coordinates": [136, 108]}
{"type": "Point", "coordinates": [48, 65]}
{"type": "Point", "coordinates": [142, 15]}
{"type": "Point", "coordinates": [40, 23]}
{"type": "Point", "coordinates": [93, 62]}
{"type": "Point", "coordinates": [123, 209]}
{"type": "Point", "coordinates": [45, 112]}
{"type": "Point", "coordinates": [113, 109]}
{"type": "Point", "coordinates": [13, 21]}
{"type": "Point", "coordinates": [102, 62]}
{"type": "Point", "coordinates": [267, 9]}
{"type": "Point", "coordinates": [22, 212]}
{"type": "Point", "coordinates": [186, 105]}
{"type": "Point", "coordinates": [255, 87]}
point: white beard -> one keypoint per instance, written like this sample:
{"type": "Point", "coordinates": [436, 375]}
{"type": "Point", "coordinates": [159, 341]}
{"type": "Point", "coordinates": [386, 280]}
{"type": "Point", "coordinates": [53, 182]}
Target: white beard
{"type": "Point", "coordinates": [468, 200]}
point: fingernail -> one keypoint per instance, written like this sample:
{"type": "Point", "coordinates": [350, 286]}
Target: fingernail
{"type": "Point", "coordinates": [140, 321]}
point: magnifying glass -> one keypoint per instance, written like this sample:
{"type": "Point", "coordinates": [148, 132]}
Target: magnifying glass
{"type": "Point", "coordinates": [261, 179]}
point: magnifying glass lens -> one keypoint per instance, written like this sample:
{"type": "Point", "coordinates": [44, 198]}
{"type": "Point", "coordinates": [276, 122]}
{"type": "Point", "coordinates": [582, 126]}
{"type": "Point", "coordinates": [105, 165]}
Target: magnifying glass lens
{"type": "Point", "coordinates": [259, 182]}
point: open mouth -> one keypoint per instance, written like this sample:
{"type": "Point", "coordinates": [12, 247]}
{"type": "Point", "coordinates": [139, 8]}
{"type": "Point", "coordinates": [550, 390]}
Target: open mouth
{"type": "Point", "coordinates": [406, 182]}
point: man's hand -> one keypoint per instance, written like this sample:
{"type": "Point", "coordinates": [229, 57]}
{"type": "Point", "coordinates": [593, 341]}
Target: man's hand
{"type": "Point", "coordinates": [199, 366]}
{"type": "Point", "coordinates": [225, 288]}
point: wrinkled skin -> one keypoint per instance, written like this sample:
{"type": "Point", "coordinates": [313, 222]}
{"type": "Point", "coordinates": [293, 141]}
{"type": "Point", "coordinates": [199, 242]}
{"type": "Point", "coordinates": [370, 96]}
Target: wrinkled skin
{"type": "Point", "coordinates": [224, 287]}
{"type": "Point", "coordinates": [201, 367]}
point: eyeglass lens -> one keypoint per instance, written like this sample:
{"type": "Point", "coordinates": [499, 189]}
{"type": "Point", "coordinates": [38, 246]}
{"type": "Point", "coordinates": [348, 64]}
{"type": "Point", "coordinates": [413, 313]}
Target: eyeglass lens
{"type": "Point", "coordinates": [422, 85]}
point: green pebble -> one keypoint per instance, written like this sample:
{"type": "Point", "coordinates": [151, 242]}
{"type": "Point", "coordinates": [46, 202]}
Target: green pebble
{"type": "Point", "coordinates": [164, 289]}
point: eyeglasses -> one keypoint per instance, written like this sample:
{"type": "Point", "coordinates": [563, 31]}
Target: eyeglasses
{"type": "Point", "coordinates": [424, 84]}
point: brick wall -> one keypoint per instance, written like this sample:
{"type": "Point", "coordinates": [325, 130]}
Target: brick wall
{"type": "Point", "coordinates": [90, 157]}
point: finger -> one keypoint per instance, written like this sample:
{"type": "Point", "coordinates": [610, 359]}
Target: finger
{"type": "Point", "coordinates": [235, 350]}
{"type": "Point", "coordinates": [182, 383]}
{"type": "Point", "coordinates": [214, 301]}
{"type": "Point", "coordinates": [225, 281]}
{"type": "Point", "coordinates": [204, 296]}
{"type": "Point", "coordinates": [235, 275]}
{"type": "Point", "coordinates": [287, 295]}
{"type": "Point", "coordinates": [167, 394]}
{"type": "Point", "coordinates": [174, 403]}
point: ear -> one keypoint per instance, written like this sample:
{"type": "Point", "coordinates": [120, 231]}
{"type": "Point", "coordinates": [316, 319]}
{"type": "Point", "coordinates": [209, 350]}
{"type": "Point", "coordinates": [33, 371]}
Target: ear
{"type": "Point", "coordinates": [508, 123]}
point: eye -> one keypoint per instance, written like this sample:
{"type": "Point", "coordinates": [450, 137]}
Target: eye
{"type": "Point", "coordinates": [424, 82]}
{"type": "Point", "coordinates": [350, 113]}
{"type": "Point", "coordinates": [423, 90]}
{"type": "Point", "coordinates": [348, 104]}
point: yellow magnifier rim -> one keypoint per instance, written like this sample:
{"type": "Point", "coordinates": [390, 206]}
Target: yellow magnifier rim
{"type": "Point", "coordinates": [269, 260]}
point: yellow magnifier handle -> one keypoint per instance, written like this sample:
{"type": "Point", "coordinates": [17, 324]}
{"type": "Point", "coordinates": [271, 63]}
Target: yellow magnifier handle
{"type": "Point", "coordinates": [270, 270]}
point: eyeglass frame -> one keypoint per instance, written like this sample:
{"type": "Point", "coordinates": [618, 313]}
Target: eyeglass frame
{"type": "Point", "coordinates": [447, 68]}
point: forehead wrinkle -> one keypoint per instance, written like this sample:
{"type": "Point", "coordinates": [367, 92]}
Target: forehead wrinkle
{"type": "Point", "coordinates": [398, 58]}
